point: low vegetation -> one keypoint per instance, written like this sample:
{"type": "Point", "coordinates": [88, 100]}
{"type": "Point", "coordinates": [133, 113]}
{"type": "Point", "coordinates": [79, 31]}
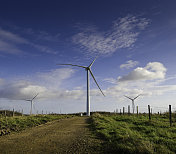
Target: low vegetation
{"type": "Point", "coordinates": [132, 134]}
{"type": "Point", "coordinates": [18, 123]}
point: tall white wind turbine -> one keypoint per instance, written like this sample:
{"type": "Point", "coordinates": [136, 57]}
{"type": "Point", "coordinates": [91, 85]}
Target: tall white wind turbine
{"type": "Point", "coordinates": [88, 69]}
{"type": "Point", "coordinates": [132, 99]}
{"type": "Point", "coordinates": [31, 100]}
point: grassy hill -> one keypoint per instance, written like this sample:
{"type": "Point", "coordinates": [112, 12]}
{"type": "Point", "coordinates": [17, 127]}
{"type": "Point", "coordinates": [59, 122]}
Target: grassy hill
{"type": "Point", "coordinates": [132, 134]}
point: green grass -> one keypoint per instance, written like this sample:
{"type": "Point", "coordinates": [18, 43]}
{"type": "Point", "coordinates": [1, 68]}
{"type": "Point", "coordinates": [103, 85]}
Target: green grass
{"type": "Point", "coordinates": [19, 123]}
{"type": "Point", "coordinates": [132, 134]}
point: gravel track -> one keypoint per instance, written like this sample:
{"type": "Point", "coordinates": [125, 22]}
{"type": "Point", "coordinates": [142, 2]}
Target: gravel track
{"type": "Point", "coordinates": [70, 135]}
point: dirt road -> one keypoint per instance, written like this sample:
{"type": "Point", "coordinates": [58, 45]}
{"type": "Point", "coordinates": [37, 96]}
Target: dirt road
{"type": "Point", "coordinates": [64, 136]}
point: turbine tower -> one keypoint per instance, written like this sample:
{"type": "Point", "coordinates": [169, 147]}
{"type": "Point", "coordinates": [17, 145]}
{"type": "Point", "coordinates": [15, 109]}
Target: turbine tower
{"type": "Point", "coordinates": [132, 99]}
{"type": "Point", "coordinates": [88, 69]}
{"type": "Point", "coordinates": [31, 100]}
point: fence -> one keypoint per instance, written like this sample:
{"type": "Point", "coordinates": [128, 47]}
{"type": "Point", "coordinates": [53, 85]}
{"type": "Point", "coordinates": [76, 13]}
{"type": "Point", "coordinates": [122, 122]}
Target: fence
{"type": "Point", "coordinates": [168, 112]}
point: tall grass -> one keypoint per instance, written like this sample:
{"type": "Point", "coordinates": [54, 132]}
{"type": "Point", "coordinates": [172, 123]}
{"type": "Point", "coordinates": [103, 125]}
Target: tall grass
{"type": "Point", "coordinates": [132, 134]}
{"type": "Point", "coordinates": [18, 123]}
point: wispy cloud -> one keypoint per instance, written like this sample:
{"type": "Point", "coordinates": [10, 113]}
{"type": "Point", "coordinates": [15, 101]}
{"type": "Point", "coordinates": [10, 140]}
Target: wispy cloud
{"type": "Point", "coordinates": [129, 64]}
{"type": "Point", "coordinates": [42, 35]}
{"type": "Point", "coordinates": [54, 78]}
{"type": "Point", "coordinates": [11, 48]}
{"type": "Point", "coordinates": [123, 34]}
{"type": "Point", "coordinates": [9, 36]}
{"type": "Point", "coordinates": [1, 81]}
{"type": "Point", "coordinates": [11, 43]}
{"type": "Point", "coordinates": [43, 48]}
{"type": "Point", "coordinates": [110, 80]}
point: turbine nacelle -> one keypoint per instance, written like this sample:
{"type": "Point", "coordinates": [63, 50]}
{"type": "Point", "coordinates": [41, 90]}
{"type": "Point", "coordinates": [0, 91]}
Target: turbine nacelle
{"type": "Point", "coordinates": [87, 69]}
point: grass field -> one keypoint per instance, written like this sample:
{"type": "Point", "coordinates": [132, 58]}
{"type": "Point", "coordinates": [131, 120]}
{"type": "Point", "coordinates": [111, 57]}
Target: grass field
{"type": "Point", "coordinates": [18, 123]}
{"type": "Point", "coordinates": [132, 134]}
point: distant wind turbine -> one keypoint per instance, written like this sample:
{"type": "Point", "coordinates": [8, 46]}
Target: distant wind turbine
{"type": "Point", "coordinates": [88, 69]}
{"type": "Point", "coordinates": [132, 99]}
{"type": "Point", "coordinates": [31, 100]}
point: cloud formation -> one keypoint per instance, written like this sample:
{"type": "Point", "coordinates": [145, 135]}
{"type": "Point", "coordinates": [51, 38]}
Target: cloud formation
{"type": "Point", "coordinates": [129, 64]}
{"type": "Point", "coordinates": [54, 78]}
{"type": "Point", "coordinates": [6, 47]}
{"type": "Point", "coordinates": [20, 90]}
{"type": "Point", "coordinates": [47, 84]}
{"type": "Point", "coordinates": [153, 70]}
{"type": "Point", "coordinates": [123, 34]}
{"type": "Point", "coordinates": [149, 81]}
{"type": "Point", "coordinates": [11, 43]}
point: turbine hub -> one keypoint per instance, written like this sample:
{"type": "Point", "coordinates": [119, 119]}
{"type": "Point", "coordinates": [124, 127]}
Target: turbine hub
{"type": "Point", "coordinates": [87, 68]}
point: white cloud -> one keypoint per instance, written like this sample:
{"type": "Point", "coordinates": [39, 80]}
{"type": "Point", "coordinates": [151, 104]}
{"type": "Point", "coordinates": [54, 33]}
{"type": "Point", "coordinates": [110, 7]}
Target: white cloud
{"type": "Point", "coordinates": [123, 34]}
{"type": "Point", "coordinates": [46, 84]}
{"type": "Point", "coordinates": [8, 36]}
{"type": "Point", "coordinates": [42, 35]}
{"type": "Point", "coordinates": [54, 78]}
{"type": "Point", "coordinates": [149, 81]}
{"type": "Point", "coordinates": [44, 48]}
{"type": "Point", "coordinates": [153, 70]}
{"type": "Point", "coordinates": [1, 81]}
{"type": "Point", "coordinates": [110, 80]}
{"type": "Point", "coordinates": [10, 43]}
{"type": "Point", "coordinates": [129, 64]}
{"type": "Point", "coordinates": [9, 48]}
{"type": "Point", "coordinates": [20, 90]}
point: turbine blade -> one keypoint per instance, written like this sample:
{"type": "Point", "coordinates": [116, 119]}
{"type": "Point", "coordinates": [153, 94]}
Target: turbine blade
{"type": "Point", "coordinates": [137, 96]}
{"type": "Point", "coordinates": [92, 62]}
{"type": "Point", "coordinates": [35, 96]}
{"type": "Point", "coordinates": [27, 100]}
{"type": "Point", "coordinates": [128, 97]}
{"type": "Point", "coordinates": [73, 65]}
{"type": "Point", "coordinates": [96, 82]}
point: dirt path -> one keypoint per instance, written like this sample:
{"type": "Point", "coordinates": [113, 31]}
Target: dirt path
{"type": "Point", "coordinates": [65, 136]}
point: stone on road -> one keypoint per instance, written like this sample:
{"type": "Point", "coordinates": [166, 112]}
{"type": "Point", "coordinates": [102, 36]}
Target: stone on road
{"type": "Point", "coordinates": [70, 135]}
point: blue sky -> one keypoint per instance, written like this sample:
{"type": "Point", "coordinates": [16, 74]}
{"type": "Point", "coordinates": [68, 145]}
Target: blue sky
{"type": "Point", "coordinates": [134, 41]}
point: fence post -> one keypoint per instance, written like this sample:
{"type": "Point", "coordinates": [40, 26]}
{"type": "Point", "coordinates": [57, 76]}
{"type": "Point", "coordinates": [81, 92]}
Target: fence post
{"type": "Point", "coordinates": [5, 113]}
{"type": "Point", "coordinates": [6, 117]}
{"type": "Point", "coordinates": [149, 112]}
{"type": "Point", "coordinates": [170, 115]}
{"type": "Point", "coordinates": [120, 112]}
{"type": "Point", "coordinates": [13, 113]}
{"type": "Point", "coordinates": [137, 110]}
{"type": "Point", "coordinates": [128, 109]}
{"type": "Point", "coordinates": [22, 112]}
{"type": "Point", "coordinates": [123, 110]}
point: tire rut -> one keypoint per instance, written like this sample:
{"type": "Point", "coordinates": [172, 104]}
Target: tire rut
{"type": "Point", "coordinates": [70, 135]}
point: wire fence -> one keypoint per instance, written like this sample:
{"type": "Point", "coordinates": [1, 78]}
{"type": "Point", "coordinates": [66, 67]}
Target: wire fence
{"type": "Point", "coordinates": [164, 114]}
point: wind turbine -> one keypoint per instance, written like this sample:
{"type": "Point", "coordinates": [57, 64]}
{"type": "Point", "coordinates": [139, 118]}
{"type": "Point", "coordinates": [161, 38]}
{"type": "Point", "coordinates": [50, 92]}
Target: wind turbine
{"type": "Point", "coordinates": [88, 69]}
{"type": "Point", "coordinates": [31, 100]}
{"type": "Point", "coordinates": [132, 99]}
